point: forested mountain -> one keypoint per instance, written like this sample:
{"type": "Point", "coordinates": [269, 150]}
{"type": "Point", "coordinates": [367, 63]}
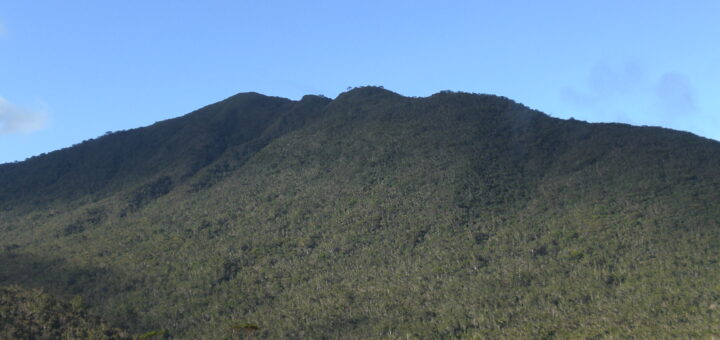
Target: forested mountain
{"type": "Point", "coordinates": [374, 215]}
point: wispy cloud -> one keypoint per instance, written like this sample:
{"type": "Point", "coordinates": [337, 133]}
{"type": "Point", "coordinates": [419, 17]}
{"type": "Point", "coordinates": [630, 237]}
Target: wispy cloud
{"type": "Point", "coordinates": [611, 93]}
{"type": "Point", "coordinates": [675, 96]}
{"type": "Point", "coordinates": [3, 31]}
{"type": "Point", "coordinates": [626, 93]}
{"type": "Point", "coordinates": [14, 119]}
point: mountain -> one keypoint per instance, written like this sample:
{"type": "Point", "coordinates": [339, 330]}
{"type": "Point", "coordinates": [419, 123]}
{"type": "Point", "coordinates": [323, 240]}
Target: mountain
{"type": "Point", "coordinates": [375, 215]}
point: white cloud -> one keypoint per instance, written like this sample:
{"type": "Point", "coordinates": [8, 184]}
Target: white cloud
{"type": "Point", "coordinates": [14, 119]}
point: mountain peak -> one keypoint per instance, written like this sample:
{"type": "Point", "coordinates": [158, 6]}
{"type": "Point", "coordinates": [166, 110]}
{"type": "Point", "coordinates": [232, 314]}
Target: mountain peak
{"type": "Point", "coordinates": [366, 91]}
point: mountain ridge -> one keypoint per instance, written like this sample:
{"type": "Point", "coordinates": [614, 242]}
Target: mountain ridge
{"type": "Point", "coordinates": [127, 147]}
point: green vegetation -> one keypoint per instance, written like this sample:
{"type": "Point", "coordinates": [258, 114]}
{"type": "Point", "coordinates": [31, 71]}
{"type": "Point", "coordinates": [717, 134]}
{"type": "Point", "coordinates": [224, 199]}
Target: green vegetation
{"type": "Point", "coordinates": [375, 216]}
{"type": "Point", "coordinates": [33, 314]}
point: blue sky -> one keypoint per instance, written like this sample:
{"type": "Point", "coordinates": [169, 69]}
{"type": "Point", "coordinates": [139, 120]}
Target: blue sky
{"type": "Point", "coordinates": [72, 70]}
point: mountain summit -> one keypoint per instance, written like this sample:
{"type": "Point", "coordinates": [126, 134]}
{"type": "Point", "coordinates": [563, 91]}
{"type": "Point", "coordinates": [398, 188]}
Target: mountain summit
{"type": "Point", "coordinates": [374, 215]}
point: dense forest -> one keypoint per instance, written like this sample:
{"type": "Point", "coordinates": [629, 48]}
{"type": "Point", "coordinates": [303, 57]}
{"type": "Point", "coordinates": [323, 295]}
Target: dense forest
{"type": "Point", "coordinates": [371, 215]}
{"type": "Point", "coordinates": [33, 314]}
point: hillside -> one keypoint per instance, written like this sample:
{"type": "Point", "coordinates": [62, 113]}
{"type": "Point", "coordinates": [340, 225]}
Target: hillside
{"type": "Point", "coordinates": [32, 314]}
{"type": "Point", "coordinates": [375, 215]}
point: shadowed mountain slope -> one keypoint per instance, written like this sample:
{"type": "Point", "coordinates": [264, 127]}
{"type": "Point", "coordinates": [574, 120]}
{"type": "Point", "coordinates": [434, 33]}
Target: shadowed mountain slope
{"type": "Point", "coordinates": [375, 215]}
{"type": "Point", "coordinates": [175, 148]}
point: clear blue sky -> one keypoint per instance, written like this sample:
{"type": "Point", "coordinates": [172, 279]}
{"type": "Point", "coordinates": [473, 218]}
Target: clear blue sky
{"type": "Point", "coordinates": [72, 70]}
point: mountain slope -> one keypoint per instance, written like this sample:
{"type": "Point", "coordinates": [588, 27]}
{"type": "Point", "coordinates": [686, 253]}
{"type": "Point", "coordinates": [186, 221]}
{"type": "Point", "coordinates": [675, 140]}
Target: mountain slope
{"type": "Point", "coordinates": [32, 314]}
{"type": "Point", "coordinates": [455, 215]}
{"type": "Point", "coordinates": [175, 148]}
